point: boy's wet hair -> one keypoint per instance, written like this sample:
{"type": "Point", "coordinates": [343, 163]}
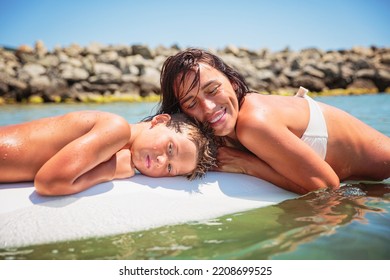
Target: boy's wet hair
{"type": "Point", "coordinates": [202, 135]}
{"type": "Point", "coordinates": [178, 67]}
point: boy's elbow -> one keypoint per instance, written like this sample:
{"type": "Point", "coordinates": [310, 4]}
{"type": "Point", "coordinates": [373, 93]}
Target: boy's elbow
{"type": "Point", "coordinates": [44, 190]}
{"type": "Point", "coordinates": [48, 187]}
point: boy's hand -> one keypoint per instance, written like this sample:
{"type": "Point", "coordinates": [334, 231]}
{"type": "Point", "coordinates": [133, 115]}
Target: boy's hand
{"type": "Point", "coordinates": [124, 165]}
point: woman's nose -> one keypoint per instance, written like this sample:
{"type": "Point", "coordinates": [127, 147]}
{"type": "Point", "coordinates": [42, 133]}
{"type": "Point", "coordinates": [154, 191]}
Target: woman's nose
{"type": "Point", "coordinates": [207, 105]}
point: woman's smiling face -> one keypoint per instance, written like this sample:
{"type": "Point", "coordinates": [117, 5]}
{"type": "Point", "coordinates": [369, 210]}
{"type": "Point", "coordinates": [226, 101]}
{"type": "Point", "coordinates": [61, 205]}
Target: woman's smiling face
{"type": "Point", "coordinates": [213, 100]}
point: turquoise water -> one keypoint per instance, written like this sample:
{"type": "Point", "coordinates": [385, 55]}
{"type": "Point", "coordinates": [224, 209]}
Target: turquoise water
{"type": "Point", "coordinates": [351, 223]}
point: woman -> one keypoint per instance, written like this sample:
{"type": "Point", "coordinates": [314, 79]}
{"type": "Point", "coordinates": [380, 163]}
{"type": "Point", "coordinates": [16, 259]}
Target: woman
{"type": "Point", "coordinates": [295, 143]}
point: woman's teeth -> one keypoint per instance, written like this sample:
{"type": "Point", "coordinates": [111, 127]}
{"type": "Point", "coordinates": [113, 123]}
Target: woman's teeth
{"type": "Point", "coordinates": [217, 117]}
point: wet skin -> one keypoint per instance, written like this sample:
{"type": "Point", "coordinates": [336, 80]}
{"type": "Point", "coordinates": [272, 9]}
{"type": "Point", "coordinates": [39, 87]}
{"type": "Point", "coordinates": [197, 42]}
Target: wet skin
{"type": "Point", "coordinates": [270, 127]}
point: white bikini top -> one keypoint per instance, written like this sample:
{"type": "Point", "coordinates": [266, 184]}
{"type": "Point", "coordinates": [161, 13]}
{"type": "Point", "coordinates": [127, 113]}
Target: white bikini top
{"type": "Point", "coordinates": [316, 134]}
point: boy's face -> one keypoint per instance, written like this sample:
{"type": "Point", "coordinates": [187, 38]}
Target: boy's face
{"type": "Point", "coordinates": [159, 151]}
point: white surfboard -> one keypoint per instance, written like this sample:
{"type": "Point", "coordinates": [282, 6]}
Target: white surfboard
{"type": "Point", "coordinates": [121, 206]}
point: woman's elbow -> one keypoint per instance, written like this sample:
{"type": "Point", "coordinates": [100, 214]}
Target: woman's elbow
{"type": "Point", "coordinates": [332, 183]}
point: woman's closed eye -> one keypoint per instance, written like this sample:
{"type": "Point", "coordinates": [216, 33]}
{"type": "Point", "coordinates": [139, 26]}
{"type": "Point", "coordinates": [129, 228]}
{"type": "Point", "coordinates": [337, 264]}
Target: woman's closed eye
{"type": "Point", "coordinates": [214, 90]}
{"type": "Point", "coordinates": [192, 104]}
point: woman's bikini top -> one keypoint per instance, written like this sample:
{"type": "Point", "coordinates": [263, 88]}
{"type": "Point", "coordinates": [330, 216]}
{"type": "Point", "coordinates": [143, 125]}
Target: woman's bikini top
{"type": "Point", "coordinates": [316, 134]}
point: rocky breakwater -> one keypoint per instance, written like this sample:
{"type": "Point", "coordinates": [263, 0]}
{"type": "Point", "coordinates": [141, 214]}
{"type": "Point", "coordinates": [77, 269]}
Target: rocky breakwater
{"type": "Point", "coordinates": [98, 73]}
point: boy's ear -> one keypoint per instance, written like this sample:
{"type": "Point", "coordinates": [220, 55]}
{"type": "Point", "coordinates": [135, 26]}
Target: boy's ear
{"type": "Point", "coordinates": [161, 118]}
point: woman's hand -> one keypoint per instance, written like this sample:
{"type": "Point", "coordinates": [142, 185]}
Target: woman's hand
{"type": "Point", "coordinates": [237, 161]}
{"type": "Point", "coordinates": [234, 160]}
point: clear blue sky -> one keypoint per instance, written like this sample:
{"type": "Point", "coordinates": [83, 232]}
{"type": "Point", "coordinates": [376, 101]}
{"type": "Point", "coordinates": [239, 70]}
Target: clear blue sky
{"type": "Point", "coordinates": [273, 24]}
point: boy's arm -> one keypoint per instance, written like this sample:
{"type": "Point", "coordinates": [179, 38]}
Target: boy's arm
{"type": "Point", "coordinates": [90, 159]}
{"type": "Point", "coordinates": [120, 164]}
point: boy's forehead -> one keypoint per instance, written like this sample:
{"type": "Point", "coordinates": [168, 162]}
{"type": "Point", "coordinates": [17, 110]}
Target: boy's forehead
{"type": "Point", "coordinates": [184, 132]}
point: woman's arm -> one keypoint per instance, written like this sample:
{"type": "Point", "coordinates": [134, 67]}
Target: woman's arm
{"type": "Point", "coordinates": [237, 161]}
{"type": "Point", "coordinates": [284, 152]}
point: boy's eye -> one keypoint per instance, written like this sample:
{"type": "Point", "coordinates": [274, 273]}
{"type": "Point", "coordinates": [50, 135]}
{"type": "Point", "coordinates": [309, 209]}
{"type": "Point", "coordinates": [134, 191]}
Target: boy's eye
{"type": "Point", "coordinates": [169, 168]}
{"type": "Point", "coordinates": [170, 149]}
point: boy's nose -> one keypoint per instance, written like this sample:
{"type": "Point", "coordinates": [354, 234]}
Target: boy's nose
{"type": "Point", "coordinates": [161, 159]}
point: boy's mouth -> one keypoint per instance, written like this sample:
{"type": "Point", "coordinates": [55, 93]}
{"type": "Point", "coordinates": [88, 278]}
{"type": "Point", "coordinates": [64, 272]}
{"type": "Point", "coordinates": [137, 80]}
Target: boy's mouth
{"type": "Point", "coordinates": [148, 162]}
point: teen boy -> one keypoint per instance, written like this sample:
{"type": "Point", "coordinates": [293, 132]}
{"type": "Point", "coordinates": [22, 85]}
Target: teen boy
{"type": "Point", "coordinates": [70, 153]}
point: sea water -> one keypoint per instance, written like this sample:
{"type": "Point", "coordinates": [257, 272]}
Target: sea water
{"type": "Point", "coordinates": [350, 223]}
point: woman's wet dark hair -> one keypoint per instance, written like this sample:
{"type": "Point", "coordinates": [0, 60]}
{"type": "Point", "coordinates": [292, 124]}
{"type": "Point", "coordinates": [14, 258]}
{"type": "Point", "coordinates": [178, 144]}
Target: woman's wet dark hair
{"type": "Point", "coordinates": [177, 68]}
